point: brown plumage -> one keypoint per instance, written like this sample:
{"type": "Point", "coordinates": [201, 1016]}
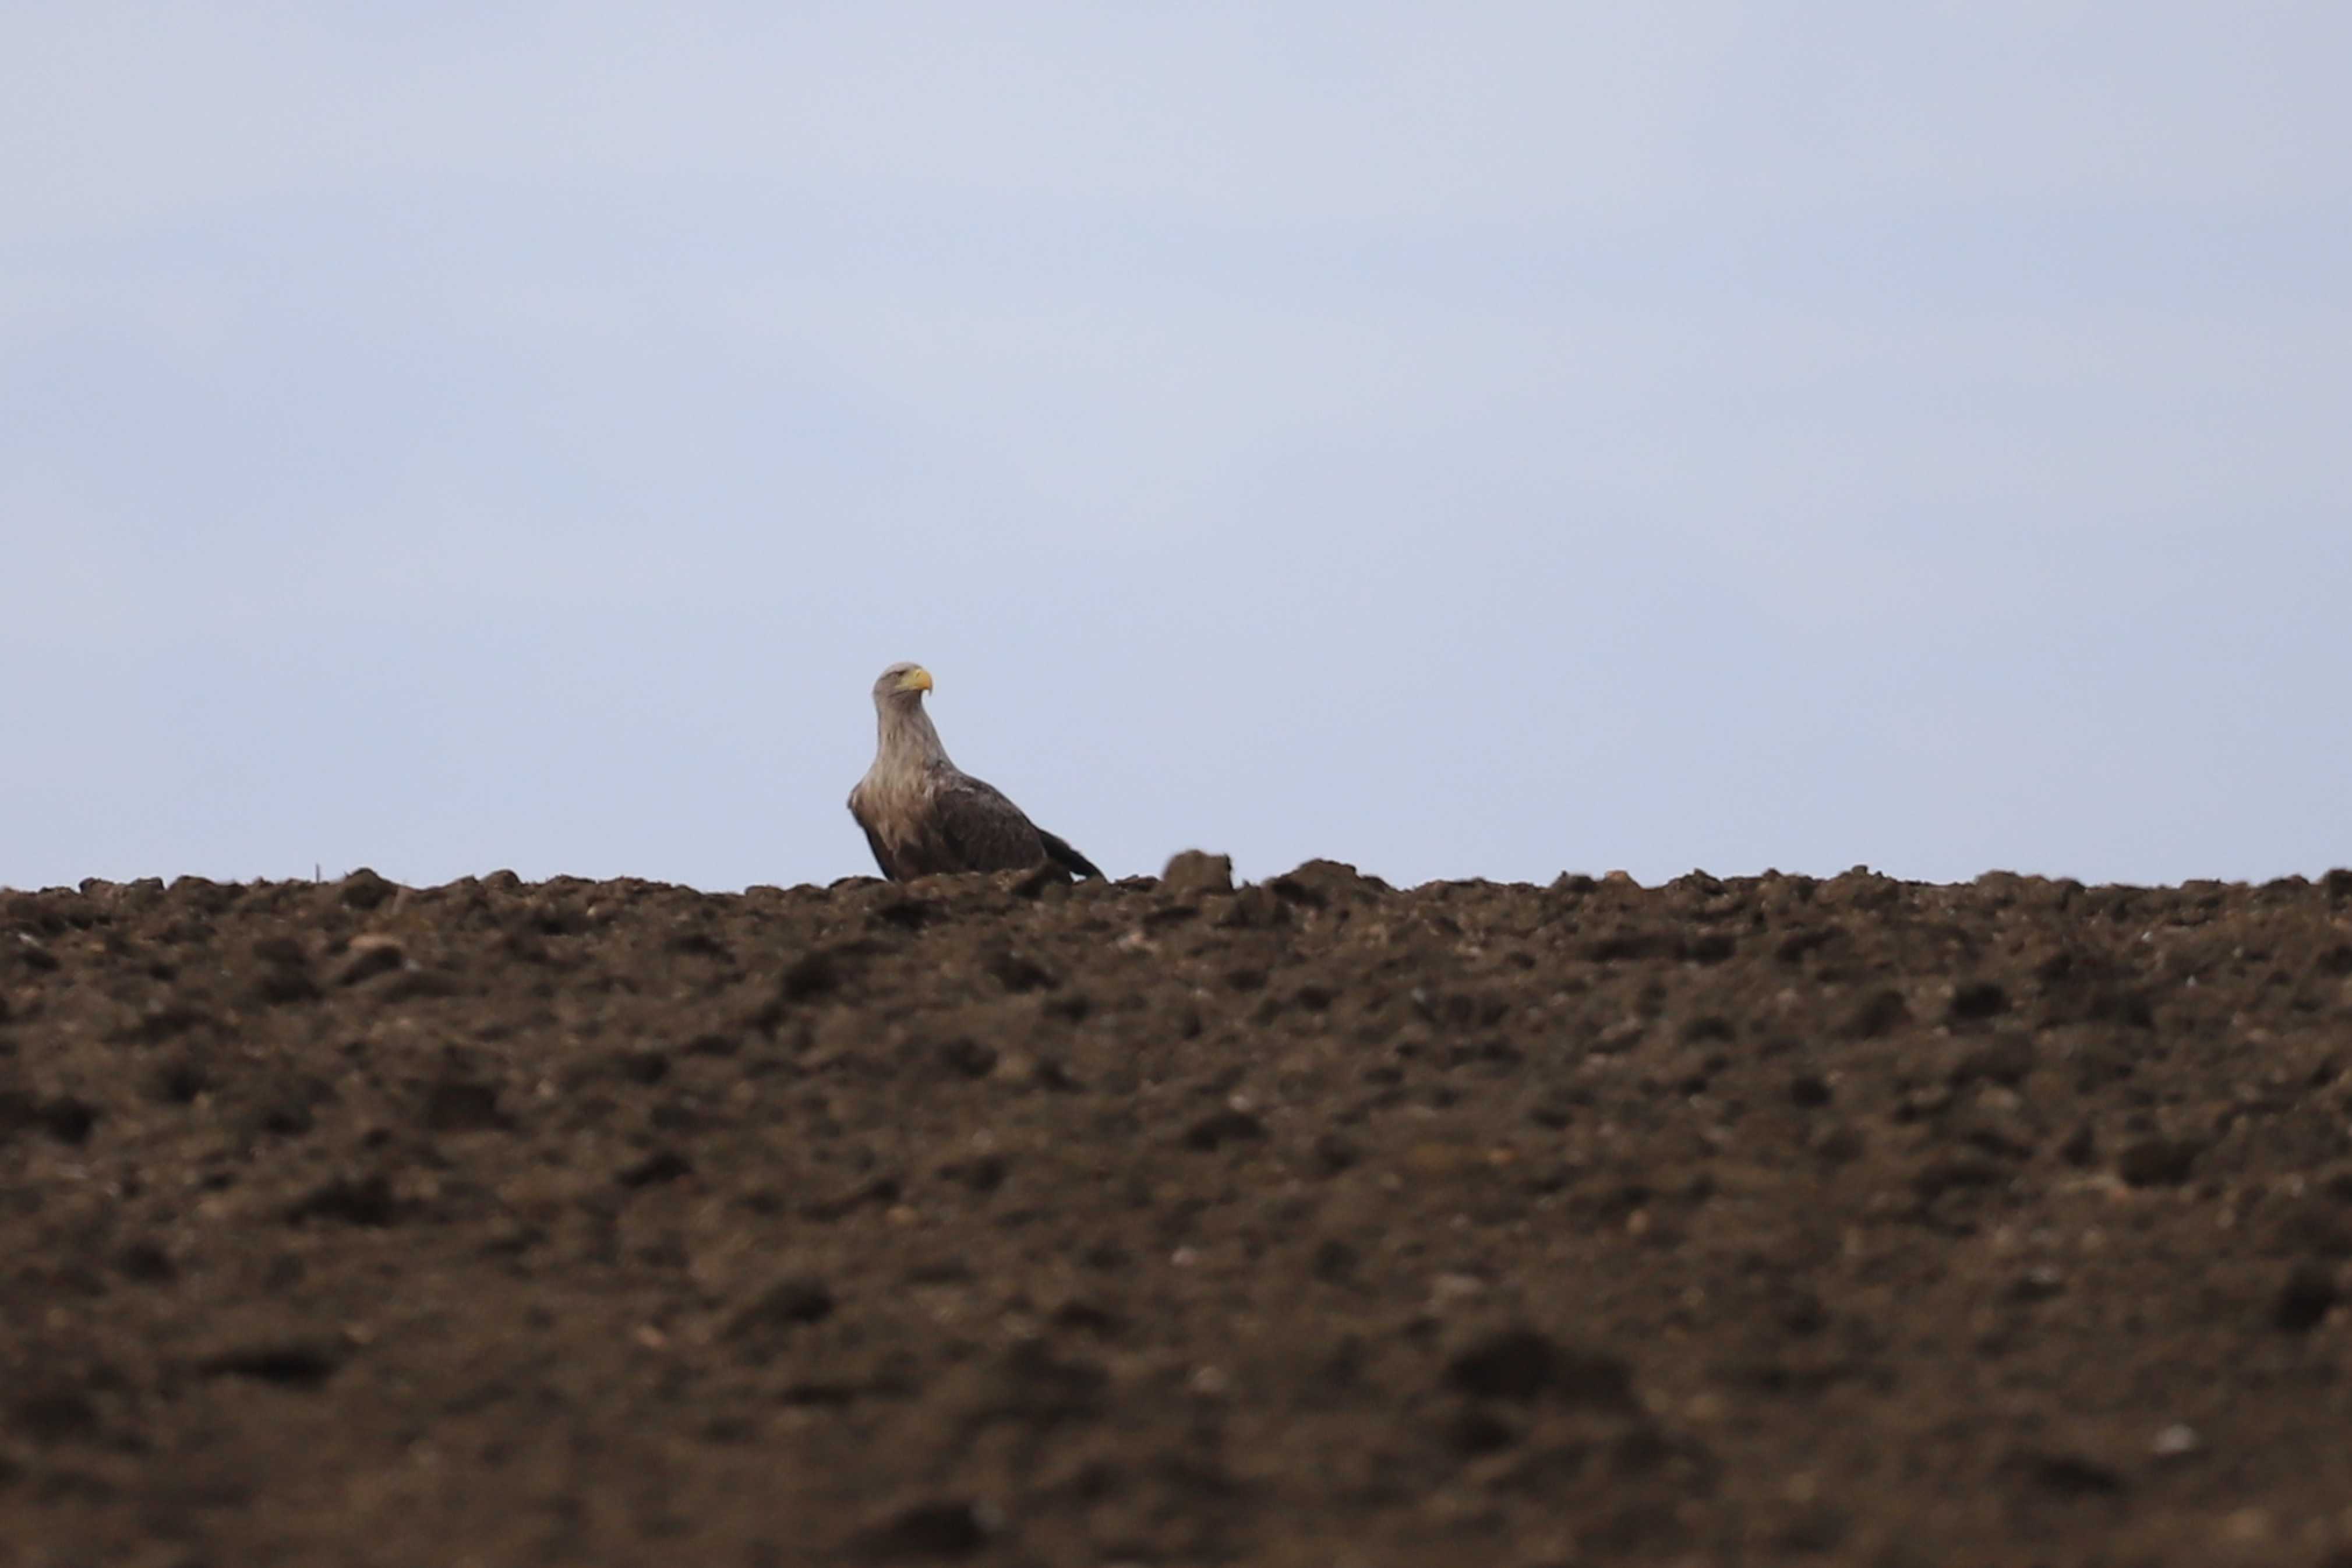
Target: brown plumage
{"type": "Point", "coordinates": [922, 814]}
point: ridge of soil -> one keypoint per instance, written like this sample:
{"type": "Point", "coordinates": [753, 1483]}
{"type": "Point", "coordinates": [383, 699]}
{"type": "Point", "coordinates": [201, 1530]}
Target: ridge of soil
{"type": "Point", "coordinates": [1009, 1221]}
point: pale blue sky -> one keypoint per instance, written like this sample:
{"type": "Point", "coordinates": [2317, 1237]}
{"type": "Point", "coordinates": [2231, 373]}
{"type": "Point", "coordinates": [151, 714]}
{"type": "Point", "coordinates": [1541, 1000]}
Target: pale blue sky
{"type": "Point", "coordinates": [1479, 441]}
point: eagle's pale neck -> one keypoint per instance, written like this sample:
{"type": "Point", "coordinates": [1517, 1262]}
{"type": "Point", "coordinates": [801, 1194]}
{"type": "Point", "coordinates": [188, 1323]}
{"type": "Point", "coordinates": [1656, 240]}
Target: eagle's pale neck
{"type": "Point", "coordinates": [906, 737]}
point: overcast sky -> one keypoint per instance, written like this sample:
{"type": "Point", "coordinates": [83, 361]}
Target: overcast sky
{"type": "Point", "coordinates": [1463, 441]}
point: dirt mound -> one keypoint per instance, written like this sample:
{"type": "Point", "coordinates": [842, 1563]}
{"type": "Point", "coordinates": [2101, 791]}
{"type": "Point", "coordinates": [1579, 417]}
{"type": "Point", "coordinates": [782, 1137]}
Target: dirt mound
{"type": "Point", "coordinates": [1309, 1222]}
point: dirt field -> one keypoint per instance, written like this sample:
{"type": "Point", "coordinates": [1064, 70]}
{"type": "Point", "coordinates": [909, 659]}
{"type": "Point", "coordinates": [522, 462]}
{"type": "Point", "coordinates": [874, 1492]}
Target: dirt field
{"type": "Point", "coordinates": [1313, 1223]}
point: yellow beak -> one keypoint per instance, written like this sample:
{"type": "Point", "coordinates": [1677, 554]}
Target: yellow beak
{"type": "Point", "coordinates": [916, 680]}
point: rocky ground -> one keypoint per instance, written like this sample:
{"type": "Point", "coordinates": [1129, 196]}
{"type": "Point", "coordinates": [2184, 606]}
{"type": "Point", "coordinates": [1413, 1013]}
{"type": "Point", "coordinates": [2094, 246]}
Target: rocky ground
{"type": "Point", "coordinates": [1310, 1223]}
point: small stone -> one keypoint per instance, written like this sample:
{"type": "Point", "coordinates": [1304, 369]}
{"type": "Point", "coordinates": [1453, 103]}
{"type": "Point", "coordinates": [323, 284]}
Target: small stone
{"type": "Point", "coordinates": [2039, 1283]}
{"type": "Point", "coordinates": [2176, 1441]}
{"type": "Point", "coordinates": [1195, 873]}
{"type": "Point", "coordinates": [364, 889]}
{"type": "Point", "coordinates": [1447, 1289]}
{"type": "Point", "coordinates": [1321, 884]}
{"type": "Point", "coordinates": [1620, 1038]}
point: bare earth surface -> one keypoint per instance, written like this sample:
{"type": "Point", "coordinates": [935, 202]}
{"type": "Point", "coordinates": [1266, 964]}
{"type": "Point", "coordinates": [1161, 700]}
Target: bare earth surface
{"type": "Point", "coordinates": [1010, 1221]}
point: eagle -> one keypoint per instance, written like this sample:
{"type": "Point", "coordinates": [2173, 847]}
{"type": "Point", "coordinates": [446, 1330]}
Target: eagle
{"type": "Point", "coordinates": [922, 814]}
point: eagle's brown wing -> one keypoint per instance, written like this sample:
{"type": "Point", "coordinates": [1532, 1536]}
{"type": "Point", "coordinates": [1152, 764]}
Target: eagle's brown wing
{"type": "Point", "coordinates": [964, 824]}
{"type": "Point", "coordinates": [982, 830]}
{"type": "Point", "coordinates": [978, 830]}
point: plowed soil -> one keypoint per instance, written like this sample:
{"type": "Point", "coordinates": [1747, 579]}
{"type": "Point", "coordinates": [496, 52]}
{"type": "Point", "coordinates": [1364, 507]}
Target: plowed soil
{"type": "Point", "coordinates": [1010, 1221]}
